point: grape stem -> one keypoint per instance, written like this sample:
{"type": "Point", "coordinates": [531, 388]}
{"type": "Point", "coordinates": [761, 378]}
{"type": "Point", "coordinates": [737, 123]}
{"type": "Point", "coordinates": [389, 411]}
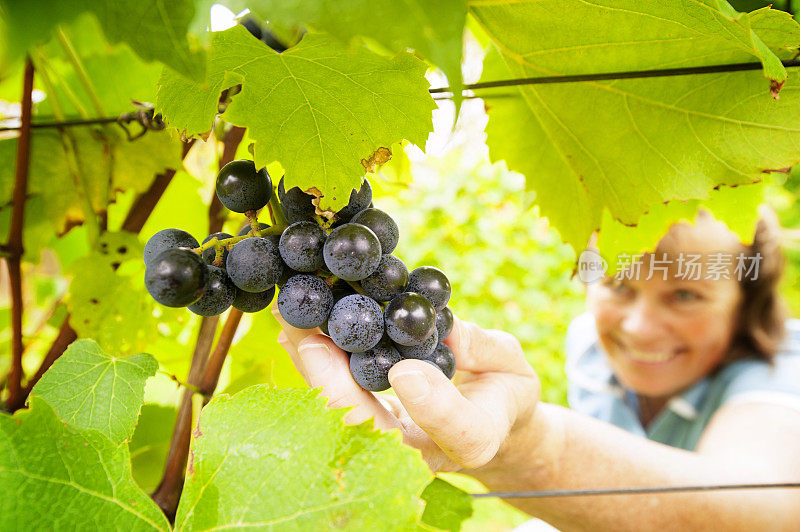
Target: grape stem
{"type": "Point", "coordinates": [357, 287]}
{"type": "Point", "coordinates": [230, 242]}
{"type": "Point", "coordinates": [276, 211]}
{"type": "Point", "coordinates": [252, 217]}
{"type": "Point", "coordinates": [219, 252]}
{"type": "Point", "coordinates": [210, 378]}
{"type": "Point", "coordinates": [175, 378]}
{"type": "Point", "coordinates": [330, 280]}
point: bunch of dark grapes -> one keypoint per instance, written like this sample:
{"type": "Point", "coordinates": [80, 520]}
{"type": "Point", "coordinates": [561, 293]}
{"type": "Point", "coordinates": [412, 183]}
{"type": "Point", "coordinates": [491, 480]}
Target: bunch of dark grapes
{"type": "Point", "coordinates": [338, 275]}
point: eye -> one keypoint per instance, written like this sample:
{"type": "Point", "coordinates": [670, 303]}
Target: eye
{"type": "Point", "coordinates": [685, 295]}
{"type": "Point", "coordinates": [617, 286]}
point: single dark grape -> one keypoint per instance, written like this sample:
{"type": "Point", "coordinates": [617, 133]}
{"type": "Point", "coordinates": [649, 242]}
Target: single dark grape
{"type": "Point", "coordinates": [246, 228]}
{"type": "Point", "coordinates": [444, 322]}
{"type": "Point", "coordinates": [444, 359]}
{"type": "Point", "coordinates": [352, 252]}
{"type": "Point", "coordinates": [359, 200]}
{"type": "Point", "coordinates": [422, 350]}
{"type": "Point", "coordinates": [410, 319]}
{"type": "Point", "coordinates": [210, 253]}
{"type": "Point", "coordinates": [371, 368]}
{"type": "Point", "coordinates": [165, 239]}
{"type": "Point", "coordinates": [254, 264]}
{"type": "Point", "coordinates": [382, 225]}
{"type": "Point", "coordinates": [305, 301]}
{"type": "Point", "coordinates": [301, 246]}
{"type": "Point", "coordinates": [220, 293]}
{"type": "Point", "coordinates": [339, 290]}
{"type": "Point", "coordinates": [432, 283]}
{"type": "Point", "coordinates": [356, 323]}
{"type": "Point", "coordinates": [253, 301]}
{"type": "Point", "coordinates": [296, 205]}
{"type": "Point", "coordinates": [176, 277]}
{"type": "Point", "coordinates": [388, 280]}
{"type": "Point", "coordinates": [241, 188]}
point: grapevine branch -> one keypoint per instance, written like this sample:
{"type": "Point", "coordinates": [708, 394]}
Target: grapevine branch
{"type": "Point", "coordinates": [15, 246]}
{"type": "Point", "coordinates": [211, 375]}
{"type": "Point", "coordinates": [167, 495]}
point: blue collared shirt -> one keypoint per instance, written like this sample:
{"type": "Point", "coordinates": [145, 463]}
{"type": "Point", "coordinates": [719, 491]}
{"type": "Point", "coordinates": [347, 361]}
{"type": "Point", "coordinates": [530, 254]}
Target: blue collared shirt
{"type": "Point", "coordinates": [594, 390]}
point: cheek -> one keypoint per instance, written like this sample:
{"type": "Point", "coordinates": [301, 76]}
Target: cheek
{"type": "Point", "coordinates": [607, 313]}
{"type": "Point", "coordinates": [709, 332]}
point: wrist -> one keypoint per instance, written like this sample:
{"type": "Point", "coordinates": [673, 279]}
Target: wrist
{"type": "Point", "coordinates": [528, 455]}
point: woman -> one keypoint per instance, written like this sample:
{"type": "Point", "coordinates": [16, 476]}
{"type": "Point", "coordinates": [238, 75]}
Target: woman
{"type": "Point", "coordinates": [673, 381]}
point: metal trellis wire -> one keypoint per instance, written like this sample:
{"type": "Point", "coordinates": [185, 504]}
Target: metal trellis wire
{"type": "Point", "coordinates": [628, 491]}
{"type": "Point", "coordinates": [543, 80]}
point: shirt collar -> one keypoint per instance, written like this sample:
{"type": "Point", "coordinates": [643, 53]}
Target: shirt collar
{"type": "Point", "coordinates": [591, 371]}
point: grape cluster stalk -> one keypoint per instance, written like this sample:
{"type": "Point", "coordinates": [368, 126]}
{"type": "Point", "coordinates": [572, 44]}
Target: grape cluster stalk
{"type": "Point", "coordinates": [338, 274]}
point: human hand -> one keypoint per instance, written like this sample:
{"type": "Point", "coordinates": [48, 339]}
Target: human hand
{"type": "Point", "coordinates": [453, 426]}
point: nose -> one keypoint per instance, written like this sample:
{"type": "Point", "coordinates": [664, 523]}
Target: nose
{"type": "Point", "coordinates": [644, 322]}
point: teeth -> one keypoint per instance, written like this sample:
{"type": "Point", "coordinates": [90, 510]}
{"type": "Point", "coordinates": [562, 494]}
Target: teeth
{"type": "Point", "coordinates": [649, 357]}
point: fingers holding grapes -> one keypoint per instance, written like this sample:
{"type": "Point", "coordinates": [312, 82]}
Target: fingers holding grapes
{"type": "Point", "coordinates": [323, 364]}
{"type": "Point", "coordinates": [470, 422]}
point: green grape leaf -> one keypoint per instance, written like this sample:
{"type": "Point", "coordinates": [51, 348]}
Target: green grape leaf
{"type": "Point", "coordinates": [624, 145]}
{"type": "Point", "coordinates": [446, 506]}
{"type": "Point", "coordinates": [55, 476]}
{"type": "Point", "coordinates": [433, 29]}
{"type": "Point", "coordinates": [737, 207]}
{"type": "Point", "coordinates": [320, 108]}
{"type": "Point", "coordinates": [107, 298]}
{"type": "Point", "coordinates": [154, 29]}
{"type": "Point", "coordinates": [90, 389]}
{"type": "Point", "coordinates": [272, 458]}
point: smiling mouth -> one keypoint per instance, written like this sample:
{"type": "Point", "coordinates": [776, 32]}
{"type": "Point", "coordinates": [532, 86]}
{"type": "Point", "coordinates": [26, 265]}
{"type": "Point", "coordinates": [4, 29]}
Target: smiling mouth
{"type": "Point", "coordinates": [648, 357]}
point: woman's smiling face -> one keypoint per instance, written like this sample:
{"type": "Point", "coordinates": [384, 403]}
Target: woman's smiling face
{"type": "Point", "coordinates": [664, 334]}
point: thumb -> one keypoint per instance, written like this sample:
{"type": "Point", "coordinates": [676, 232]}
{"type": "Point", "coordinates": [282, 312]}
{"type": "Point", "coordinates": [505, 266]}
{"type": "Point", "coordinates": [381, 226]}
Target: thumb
{"type": "Point", "coordinates": [465, 432]}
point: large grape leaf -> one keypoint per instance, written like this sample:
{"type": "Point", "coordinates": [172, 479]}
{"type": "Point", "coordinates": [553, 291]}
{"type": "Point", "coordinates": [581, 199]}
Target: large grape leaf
{"type": "Point", "coordinates": [624, 145]}
{"type": "Point", "coordinates": [107, 299]}
{"type": "Point", "coordinates": [55, 476]}
{"type": "Point", "coordinates": [156, 30]}
{"type": "Point", "coordinates": [90, 389]}
{"type": "Point", "coordinates": [319, 108]}
{"type": "Point", "coordinates": [276, 459]}
{"type": "Point", "coordinates": [433, 29]}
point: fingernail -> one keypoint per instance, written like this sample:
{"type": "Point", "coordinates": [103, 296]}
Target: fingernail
{"type": "Point", "coordinates": [413, 385]}
{"type": "Point", "coordinates": [316, 359]}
